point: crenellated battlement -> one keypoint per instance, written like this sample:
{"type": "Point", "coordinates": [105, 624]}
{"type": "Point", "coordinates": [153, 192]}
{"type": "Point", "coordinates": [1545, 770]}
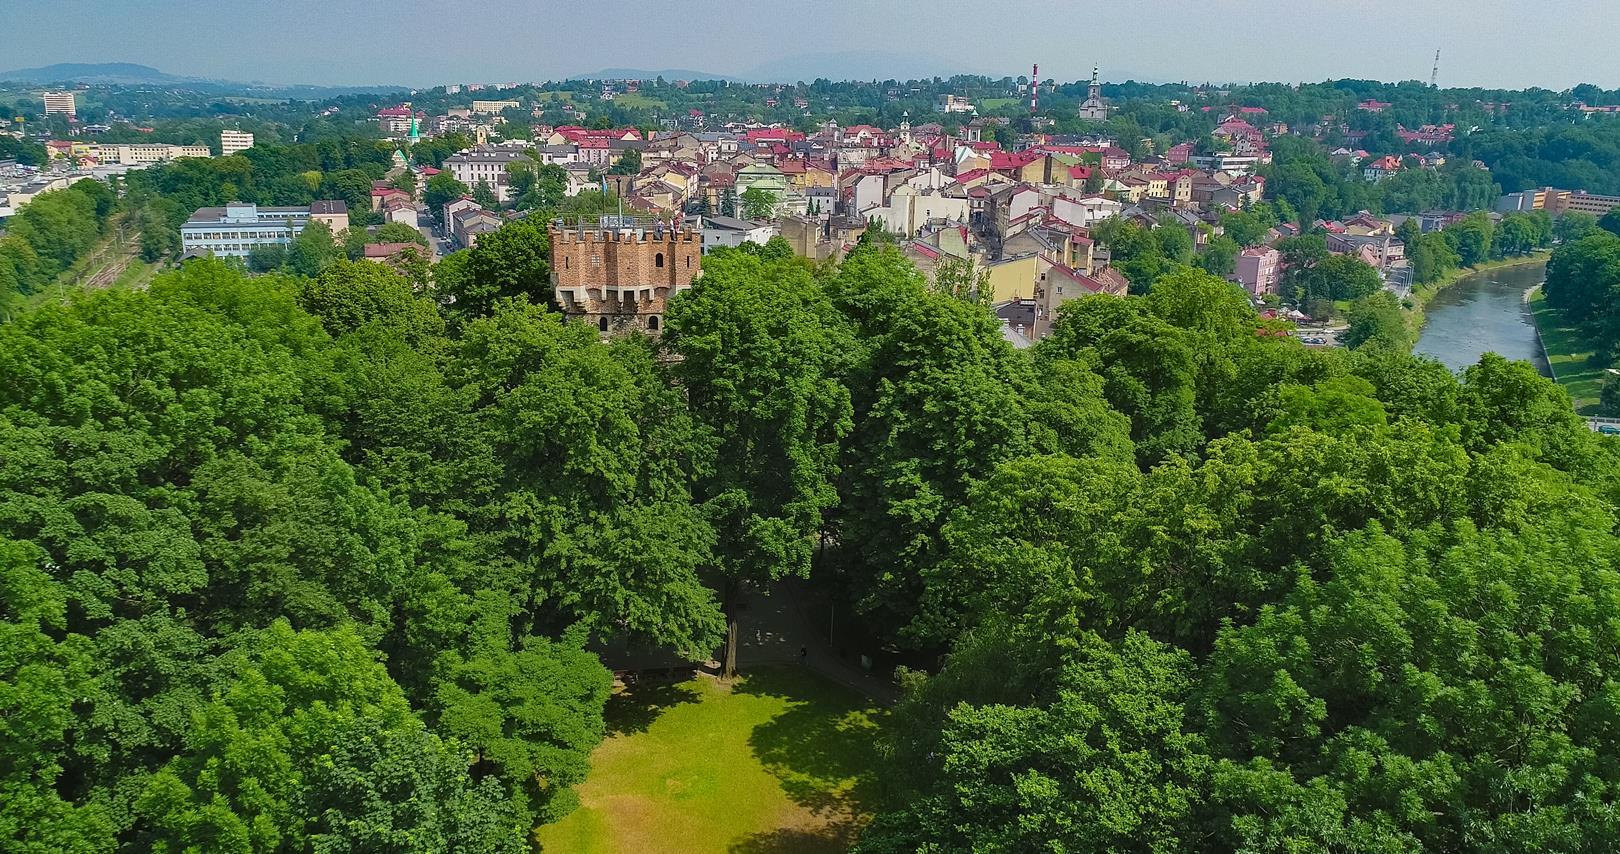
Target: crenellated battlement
{"type": "Point", "coordinates": [619, 272]}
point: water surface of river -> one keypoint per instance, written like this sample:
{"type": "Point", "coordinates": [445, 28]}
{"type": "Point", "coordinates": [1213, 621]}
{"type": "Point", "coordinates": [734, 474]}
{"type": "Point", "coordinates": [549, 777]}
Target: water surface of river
{"type": "Point", "coordinates": [1484, 313]}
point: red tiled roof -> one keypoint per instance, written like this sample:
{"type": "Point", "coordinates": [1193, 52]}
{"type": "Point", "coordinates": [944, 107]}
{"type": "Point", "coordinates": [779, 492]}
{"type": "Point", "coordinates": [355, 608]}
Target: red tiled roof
{"type": "Point", "coordinates": [384, 250]}
{"type": "Point", "coordinates": [1013, 160]}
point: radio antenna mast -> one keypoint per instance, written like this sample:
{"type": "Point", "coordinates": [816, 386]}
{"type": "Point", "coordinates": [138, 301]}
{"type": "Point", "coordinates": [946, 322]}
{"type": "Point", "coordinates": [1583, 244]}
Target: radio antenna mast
{"type": "Point", "coordinates": [1434, 78]}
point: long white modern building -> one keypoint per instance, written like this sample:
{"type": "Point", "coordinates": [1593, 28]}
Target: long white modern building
{"type": "Point", "coordinates": [134, 154]}
{"type": "Point", "coordinates": [239, 228]}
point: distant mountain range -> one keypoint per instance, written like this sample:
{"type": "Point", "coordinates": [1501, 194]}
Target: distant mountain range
{"type": "Point", "coordinates": [134, 74]}
{"type": "Point", "coordinates": [92, 72]}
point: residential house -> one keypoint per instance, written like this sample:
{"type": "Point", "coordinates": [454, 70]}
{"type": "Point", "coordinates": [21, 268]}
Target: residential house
{"type": "Point", "coordinates": [390, 253]}
{"type": "Point", "coordinates": [719, 231]}
{"type": "Point", "coordinates": [1381, 168]}
{"type": "Point", "coordinates": [333, 212]}
{"type": "Point", "coordinates": [1085, 211]}
{"type": "Point", "coordinates": [400, 210]}
{"type": "Point", "coordinates": [909, 210]}
{"type": "Point", "coordinates": [466, 225]}
{"type": "Point", "coordinates": [1258, 270]}
{"type": "Point", "coordinates": [1059, 283]}
{"type": "Point", "coordinates": [823, 236]}
{"type": "Point", "coordinates": [380, 195]}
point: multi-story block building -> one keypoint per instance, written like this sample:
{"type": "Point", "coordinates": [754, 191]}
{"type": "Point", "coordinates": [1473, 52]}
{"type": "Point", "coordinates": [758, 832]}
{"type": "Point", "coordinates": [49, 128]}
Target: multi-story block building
{"type": "Point", "coordinates": [134, 154]}
{"type": "Point", "coordinates": [486, 163]}
{"type": "Point", "coordinates": [395, 120]}
{"type": "Point", "coordinates": [618, 274]}
{"type": "Point", "coordinates": [60, 102]}
{"type": "Point", "coordinates": [238, 228]}
{"type": "Point", "coordinates": [494, 106]}
{"type": "Point", "coordinates": [232, 141]}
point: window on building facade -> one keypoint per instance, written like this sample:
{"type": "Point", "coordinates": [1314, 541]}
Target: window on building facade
{"type": "Point", "coordinates": [658, 260]}
{"type": "Point", "coordinates": [601, 324]}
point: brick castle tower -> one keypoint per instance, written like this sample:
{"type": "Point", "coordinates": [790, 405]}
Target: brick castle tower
{"type": "Point", "coordinates": [620, 273]}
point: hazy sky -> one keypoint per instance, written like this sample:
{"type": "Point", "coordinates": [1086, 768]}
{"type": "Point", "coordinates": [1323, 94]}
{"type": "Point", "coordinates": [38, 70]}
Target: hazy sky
{"type": "Point", "coordinates": [1552, 43]}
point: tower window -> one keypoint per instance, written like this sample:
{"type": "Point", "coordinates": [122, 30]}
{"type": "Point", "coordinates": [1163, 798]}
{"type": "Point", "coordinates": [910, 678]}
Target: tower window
{"type": "Point", "coordinates": [658, 260]}
{"type": "Point", "coordinates": [652, 323]}
{"type": "Point", "coordinates": [601, 324]}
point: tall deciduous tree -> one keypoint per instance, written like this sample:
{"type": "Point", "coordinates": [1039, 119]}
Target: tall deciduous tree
{"type": "Point", "coordinates": [937, 395]}
{"type": "Point", "coordinates": [511, 261]}
{"type": "Point", "coordinates": [441, 189]}
{"type": "Point", "coordinates": [763, 353]}
{"type": "Point", "coordinates": [1376, 320]}
{"type": "Point", "coordinates": [313, 250]}
{"type": "Point", "coordinates": [758, 203]}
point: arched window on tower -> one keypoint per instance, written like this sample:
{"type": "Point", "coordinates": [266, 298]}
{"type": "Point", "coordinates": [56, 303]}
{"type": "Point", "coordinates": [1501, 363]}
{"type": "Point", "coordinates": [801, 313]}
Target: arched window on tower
{"type": "Point", "coordinates": [658, 260]}
{"type": "Point", "coordinates": [652, 323]}
{"type": "Point", "coordinates": [601, 324]}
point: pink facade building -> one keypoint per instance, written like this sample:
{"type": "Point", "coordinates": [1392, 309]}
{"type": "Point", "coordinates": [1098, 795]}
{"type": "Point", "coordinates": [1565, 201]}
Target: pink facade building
{"type": "Point", "coordinates": [1258, 270]}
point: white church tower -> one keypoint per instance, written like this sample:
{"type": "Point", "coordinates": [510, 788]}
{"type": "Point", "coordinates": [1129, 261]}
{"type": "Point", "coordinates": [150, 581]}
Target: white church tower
{"type": "Point", "coordinates": [1094, 107]}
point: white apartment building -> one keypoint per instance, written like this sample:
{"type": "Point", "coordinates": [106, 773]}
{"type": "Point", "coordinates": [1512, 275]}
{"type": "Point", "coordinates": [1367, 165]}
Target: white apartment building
{"type": "Point", "coordinates": [494, 106]}
{"type": "Point", "coordinates": [235, 230]}
{"type": "Point", "coordinates": [232, 141]}
{"type": "Point", "coordinates": [59, 102]}
{"type": "Point", "coordinates": [134, 154]}
{"type": "Point", "coordinates": [485, 163]}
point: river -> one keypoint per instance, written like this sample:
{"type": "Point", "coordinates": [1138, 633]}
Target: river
{"type": "Point", "coordinates": [1483, 313]}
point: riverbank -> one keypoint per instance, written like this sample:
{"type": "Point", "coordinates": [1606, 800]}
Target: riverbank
{"type": "Point", "coordinates": [1421, 294]}
{"type": "Point", "coordinates": [1568, 353]}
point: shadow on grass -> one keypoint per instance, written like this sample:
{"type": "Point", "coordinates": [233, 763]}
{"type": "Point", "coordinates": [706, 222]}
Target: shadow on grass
{"type": "Point", "coordinates": [832, 839]}
{"type": "Point", "coordinates": [635, 708]}
{"type": "Point", "coordinates": [824, 749]}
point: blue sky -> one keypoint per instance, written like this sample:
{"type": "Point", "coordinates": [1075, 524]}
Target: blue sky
{"type": "Point", "coordinates": [1552, 43]}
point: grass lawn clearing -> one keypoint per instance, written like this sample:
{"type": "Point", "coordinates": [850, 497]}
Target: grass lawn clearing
{"type": "Point", "coordinates": [1569, 353]}
{"type": "Point", "coordinates": [778, 761]}
{"type": "Point", "coordinates": [636, 100]}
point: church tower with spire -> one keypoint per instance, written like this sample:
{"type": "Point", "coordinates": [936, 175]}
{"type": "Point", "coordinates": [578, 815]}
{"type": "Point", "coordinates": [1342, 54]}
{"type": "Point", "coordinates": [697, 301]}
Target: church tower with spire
{"type": "Point", "coordinates": [1094, 107]}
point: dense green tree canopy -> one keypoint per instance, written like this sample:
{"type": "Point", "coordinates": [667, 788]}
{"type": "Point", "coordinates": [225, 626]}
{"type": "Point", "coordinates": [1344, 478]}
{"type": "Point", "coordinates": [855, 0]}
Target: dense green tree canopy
{"type": "Point", "coordinates": [313, 560]}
